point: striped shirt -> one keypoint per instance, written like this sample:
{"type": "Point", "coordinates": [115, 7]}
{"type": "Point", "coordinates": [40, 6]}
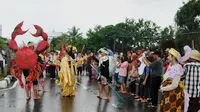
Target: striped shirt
{"type": "Point", "coordinates": [192, 79]}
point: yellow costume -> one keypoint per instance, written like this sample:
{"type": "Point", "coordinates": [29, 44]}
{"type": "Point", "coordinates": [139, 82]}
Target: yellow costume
{"type": "Point", "coordinates": [67, 76]}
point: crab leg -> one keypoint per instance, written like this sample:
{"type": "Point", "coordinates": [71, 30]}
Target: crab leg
{"type": "Point", "coordinates": [17, 73]}
{"type": "Point", "coordinates": [43, 45]}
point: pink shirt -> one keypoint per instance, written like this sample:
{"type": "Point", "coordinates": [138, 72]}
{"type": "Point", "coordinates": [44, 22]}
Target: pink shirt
{"type": "Point", "coordinates": [123, 69]}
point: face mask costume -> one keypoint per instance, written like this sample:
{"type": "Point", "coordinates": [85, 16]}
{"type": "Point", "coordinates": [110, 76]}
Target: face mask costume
{"type": "Point", "coordinates": [26, 58]}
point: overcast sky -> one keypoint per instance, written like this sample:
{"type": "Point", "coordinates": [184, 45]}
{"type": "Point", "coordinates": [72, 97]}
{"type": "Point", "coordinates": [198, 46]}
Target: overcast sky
{"type": "Point", "coordinates": [63, 14]}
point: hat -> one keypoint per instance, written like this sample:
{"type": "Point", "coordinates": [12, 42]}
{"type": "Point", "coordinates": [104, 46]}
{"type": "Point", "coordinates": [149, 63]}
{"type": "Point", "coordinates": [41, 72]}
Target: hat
{"type": "Point", "coordinates": [174, 52]}
{"type": "Point", "coordinates": [103, 51]}
{"type": "Point", "coordinates": [195, 55]}
{"type": "Point", "coordinates": [69, 46]}
{"type": "Point", "coordinates": [30, 43]}
{"type": "Point", "coordinates": [74, 49]}
{"type": "Point", "coordinates": [57, 51]}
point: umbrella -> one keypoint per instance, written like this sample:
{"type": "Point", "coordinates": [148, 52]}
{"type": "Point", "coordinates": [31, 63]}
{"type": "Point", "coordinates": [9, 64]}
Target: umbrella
{"type": "Point", "coordinates": [110, 52]}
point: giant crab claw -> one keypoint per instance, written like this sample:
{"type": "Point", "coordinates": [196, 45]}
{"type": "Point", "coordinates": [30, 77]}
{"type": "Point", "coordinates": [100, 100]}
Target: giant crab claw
{"type": "Point", "coordinates": [39, 32]}
{"type": "Point", "coordinates": [43, 45]}
{"type": "Point", "coordinates": [17, 31]}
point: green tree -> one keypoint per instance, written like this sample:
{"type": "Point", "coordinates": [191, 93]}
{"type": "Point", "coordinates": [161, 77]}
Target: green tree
{"type": "Point", "coordinates": [187, 23]}
{"type": "Point", "coordinates": [131, 33]}
{"type": "Point", "coordinates": [73, 34]}
{"type": "Point", "coordinates": [3, 42]}
{"type": "Point", "coordinates": [56, 42]}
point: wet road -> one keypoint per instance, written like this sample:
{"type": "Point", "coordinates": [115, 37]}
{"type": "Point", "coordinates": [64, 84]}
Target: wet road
{"type": "Point", "coordinates": [85, 100]}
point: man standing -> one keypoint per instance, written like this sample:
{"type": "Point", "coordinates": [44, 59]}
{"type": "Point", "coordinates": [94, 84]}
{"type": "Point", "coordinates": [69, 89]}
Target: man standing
{"type": "Point", "coordinates": [157, 71]}
{"type": "Point", "coordinates": [192, 80]}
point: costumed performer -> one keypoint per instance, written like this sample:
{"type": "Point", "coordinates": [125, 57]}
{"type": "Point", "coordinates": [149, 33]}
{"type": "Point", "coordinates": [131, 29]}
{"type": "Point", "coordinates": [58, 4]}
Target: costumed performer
{"type": "Point", "coordinates": [35, 82]}
{"type": "Point", "coordinates": [67, 74]}
{"type": "Point", "coordinates": [26, 59]}
{"type": "Point", "coordinates": [173, 94]}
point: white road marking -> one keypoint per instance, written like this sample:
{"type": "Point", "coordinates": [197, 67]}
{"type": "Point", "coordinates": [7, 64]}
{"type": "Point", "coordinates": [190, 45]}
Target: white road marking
{"type": "Point", "coordinates": [84, 87]}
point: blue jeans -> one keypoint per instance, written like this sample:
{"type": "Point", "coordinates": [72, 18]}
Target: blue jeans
{"type": "Point", "coordinates": [122, 80]}
{"type": "Point", "coordinates": [116, 77]}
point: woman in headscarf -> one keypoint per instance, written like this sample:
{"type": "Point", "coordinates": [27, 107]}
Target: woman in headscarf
{"type": "Point", "coordinates": [172, 88]}
{"type": "Point", "coordinates": [67, 73]}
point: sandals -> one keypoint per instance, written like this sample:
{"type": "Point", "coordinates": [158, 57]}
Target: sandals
{"type": "Point", "coordinates": [136, 97]}
{"type": "Point", "coordinates": [139, 100]}
{"type": "Point", "coordinates": [107, 99]}
{"type": "Point", "coordinates": [148, 99]}
{"type": "Point", "coordinates": [28, 98]}
{"type": "Point", "coordinates": [99, 97]}
{"type": "Point", "coordinates": [132, 94]}
{"type": "Point", "coordinates": [123, 92]}
{"type": "Point", "coordinates": [36, 98]}
{"type": "Point", "coordinates": [144, 101]}
{"type": "Point", "coordinates": [152, 106]}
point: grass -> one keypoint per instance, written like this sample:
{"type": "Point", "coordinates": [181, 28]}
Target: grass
{"type": "Point", "coordinates": [1, 78]}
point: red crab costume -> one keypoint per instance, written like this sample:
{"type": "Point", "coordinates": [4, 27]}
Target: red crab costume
{"type": "Point", "coordinates": [26, 58]}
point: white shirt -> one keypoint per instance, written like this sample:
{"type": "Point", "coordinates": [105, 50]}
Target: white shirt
{"type": "Point", "coordinates": [117, 69]}
{"type": "Point", "coordinates": [1, 58]}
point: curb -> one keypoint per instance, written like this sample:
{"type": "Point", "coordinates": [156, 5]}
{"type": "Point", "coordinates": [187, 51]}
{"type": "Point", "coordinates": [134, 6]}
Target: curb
{"type": "Point", "coordinates": [6, 82]}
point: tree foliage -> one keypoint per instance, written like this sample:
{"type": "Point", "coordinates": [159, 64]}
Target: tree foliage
{"type": "Point", "coordinates": [3, 42]}
{"type": "Point", "coordinates": [131, 33]}
{"type": "Point", "coordinates": [120, 37]}
{"type": "Point", "coordinates": [187, 22]}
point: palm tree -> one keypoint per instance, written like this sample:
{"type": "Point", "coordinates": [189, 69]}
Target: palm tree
{"type": "Point", "coordinates": [74, 33]}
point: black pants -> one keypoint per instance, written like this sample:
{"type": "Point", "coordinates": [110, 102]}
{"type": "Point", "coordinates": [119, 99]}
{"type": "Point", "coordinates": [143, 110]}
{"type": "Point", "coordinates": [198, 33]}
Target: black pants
{"type": "Point", "coordinates": [193, 104]}
{"type": "Point", "coordinates": [89, 69]}
{"type": "Point", "coordinates": [26, 73]}
{"type": "Point", "coordinates": [132, 87]}
{"type": "Point", "coordinates": [79, 70]}
{"type": "Point", "coordinates": [117, 78]}
{"type": "Point", "coordinates": [143, 90]}
{"type": "Point", "coordinates": [139, 87]}
{"type": "Point", "coordinates": [2, 68]}
{"type": "Point", "coordinates": [52, 71]}
{"type": "Point", "coordinates": [156, 81]}
{"type": "Point", "coordinates": [47, 69]}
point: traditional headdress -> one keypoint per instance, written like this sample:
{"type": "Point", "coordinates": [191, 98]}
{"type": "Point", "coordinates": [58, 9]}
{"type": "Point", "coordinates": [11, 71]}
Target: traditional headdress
{"type": "Point", "coordinates": [69, 46]}
{"type": "Point", "coordinates": [103, 51]}
{"type": "Point", "coordinates": [74, 49]}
